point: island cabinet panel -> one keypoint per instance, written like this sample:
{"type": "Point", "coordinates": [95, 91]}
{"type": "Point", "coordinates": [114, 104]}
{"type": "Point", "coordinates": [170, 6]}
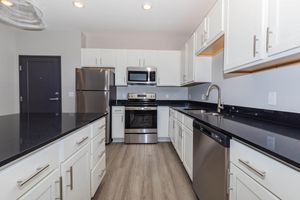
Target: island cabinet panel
{"type": "Point", "coordinates": [20, 177]}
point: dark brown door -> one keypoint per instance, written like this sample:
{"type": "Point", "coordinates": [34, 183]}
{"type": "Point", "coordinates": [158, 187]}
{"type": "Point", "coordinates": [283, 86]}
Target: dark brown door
{"type": "Point", "coordinates": [40, 84]}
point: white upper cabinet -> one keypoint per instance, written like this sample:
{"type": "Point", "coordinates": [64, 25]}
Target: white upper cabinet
{"type": "Point", "coordinates": [89, 57]}
{"type": "Point", "coordinates": [134, 58]}
{"type": "Point", "coordinates": [210, 30]}
{"type": "Point", "coordinates": [168, 69]}
{"type": "Point", "coordinates": [196, 69]}
{"type": "Point", "coordinates": [244, 38]}
{"type": "Point", "coordinates": [107, 58]}
{"type": "Point", "coordinates": [215, 22]}
{"type": "Point", "coordinates": [200, 35]}
{"type": "Point", "coordinates": [141, 58]}
{"type": "Point", "coordinates": [283, 29]}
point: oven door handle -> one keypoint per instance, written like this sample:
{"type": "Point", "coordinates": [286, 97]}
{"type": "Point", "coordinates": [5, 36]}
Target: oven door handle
{"type": "Point", "coordinates": [140, 108]}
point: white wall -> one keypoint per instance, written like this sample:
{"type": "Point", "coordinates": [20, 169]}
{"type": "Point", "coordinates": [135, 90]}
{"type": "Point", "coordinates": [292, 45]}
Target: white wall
{"type": "Point", "coordinates": [252, 90]}
{"type": "Point", "coordinates": [66, 44]}
{"type": "Point", "coordinates": [163, 93]}
{"type": "Point", "coordinates": [129, 40]}
{"type": "Point", "coordinates": [9, 88]}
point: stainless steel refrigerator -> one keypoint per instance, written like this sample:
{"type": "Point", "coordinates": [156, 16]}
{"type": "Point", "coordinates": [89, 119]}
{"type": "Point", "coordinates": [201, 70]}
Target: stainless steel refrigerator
{"type": "Point", "coordinates": [95, 90]}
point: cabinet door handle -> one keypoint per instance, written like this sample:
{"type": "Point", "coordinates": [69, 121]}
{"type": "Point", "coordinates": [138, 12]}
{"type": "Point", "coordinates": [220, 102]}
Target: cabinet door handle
{"type": "Point", "coordinates": [261, 174]}
{"type": "Point", "coordinates": [144, 62]}
{"type": "Point", "coordinates": [39, 170]}
{"type": "Point", "coordinates": [124, 79]}
{"type": "Point", "coordinates": [139, 62]}
{"type": "Point", "coordinates": [122, 118]}
{"type": "Point", "coordinates": [254, 45]}
{"type": "Point", "coordinates": [82, 140]}
{"type": "Point", "coordinates": [96, 61]}
{"type": "Point", "coordinates": [101, 62]}
{"type": "Point", "coordinates": [60, 189]}
{"type": "Point", "coordinates": [268, 46]}
{"type": "Point", "coordinates": [71, 178]}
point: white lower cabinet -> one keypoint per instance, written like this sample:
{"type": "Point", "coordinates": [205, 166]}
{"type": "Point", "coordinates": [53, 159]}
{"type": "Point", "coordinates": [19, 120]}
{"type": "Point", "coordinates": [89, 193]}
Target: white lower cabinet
{"type": "Point", "coordinates": [188, 151]}
{"type": "Point", "coordinates": [261, 173]}
{"type": "Point", "coordinates": [181, 135]}
{"type": "Point", "coordinates": [243, 187]}
{"type": "Point", "coordinates": [162, 118]}
{"type": "Point", "coordinates": [75, 173]}
{"type": "Point", "coordinates": [118, 123]}
{"type": "Point", "coordinates": [48, 189]}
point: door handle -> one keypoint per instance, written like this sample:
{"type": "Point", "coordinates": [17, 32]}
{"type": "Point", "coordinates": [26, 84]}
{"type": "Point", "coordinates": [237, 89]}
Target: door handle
{"type": "Point", "coordinates": [31, 177]}
{"type": "Point", "coordinates": [60, 189]}
{"type": "Point", "coordinates": [261, 174]}
{"type": "Point", "coordinates": [54, 99]}
{"type": "Point", "coordinates": [255, 39]}
{"type": "Point", "coordinates": [71, 178]}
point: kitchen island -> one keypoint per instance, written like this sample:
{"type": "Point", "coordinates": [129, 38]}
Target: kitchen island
{"type": "Point", "coordinates": [52, 155]}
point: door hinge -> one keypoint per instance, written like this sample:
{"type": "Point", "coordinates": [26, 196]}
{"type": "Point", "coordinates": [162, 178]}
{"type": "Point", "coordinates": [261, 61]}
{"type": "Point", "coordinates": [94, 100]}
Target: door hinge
{"type": "Point", "coordinates": [21, 99]}
{"type": "Point", "coordinates": [20, 67]}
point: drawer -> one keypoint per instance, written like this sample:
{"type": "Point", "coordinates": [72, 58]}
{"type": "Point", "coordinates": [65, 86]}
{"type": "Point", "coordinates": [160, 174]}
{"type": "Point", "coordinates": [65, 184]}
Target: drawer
{"type": "Point", "coordinates": [280, 179]}
{"type": "Point", "coordinates": [118, 109]}
{"type": "Point", "coordinates": [188, 122]}
{"type": "Point", "coordinates": [97, 155]}
{"type": "Point", "coordinates": [98, 126]}
{"type": "Point", "coordinates": [97, 175]}
{"type": "Point", "coordinates": [26, 173]}
{"type": "Point", "coordinates": [75, 141]}
{"type": "Point", "coordinates": [98, 141]}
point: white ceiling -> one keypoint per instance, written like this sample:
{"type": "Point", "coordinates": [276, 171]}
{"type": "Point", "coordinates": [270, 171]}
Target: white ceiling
{"type": "Point", "coordinates": [177, 18]}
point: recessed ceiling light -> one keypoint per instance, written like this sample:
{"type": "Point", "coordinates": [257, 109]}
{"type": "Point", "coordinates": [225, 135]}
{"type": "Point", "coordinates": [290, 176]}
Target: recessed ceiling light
{"type": "Point", "coordinates": [78, 4]}
{"type": "Point", "coordinates": [147, 6]}
{"type": "Point", "coordinates": [7, 3]}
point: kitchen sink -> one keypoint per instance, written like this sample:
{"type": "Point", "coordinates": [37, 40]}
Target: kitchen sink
{"type": "Point", "coordinates": [204, 112]}
{"type": "Point", "coordinates": [201, 111]}
{"type": "Point", "coordinates": [213, 114]}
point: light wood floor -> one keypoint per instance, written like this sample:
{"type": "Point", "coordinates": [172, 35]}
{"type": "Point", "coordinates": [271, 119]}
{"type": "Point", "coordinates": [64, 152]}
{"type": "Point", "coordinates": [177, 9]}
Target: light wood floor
{"type": "Point", "coordinates": [144, 172]}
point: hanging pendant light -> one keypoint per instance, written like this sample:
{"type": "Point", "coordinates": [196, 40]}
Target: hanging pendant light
{"type": "Point", "coordinates": [23, 14]}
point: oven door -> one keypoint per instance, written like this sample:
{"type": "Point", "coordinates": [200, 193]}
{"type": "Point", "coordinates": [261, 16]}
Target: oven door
{"type": "Point", "coordinates": [140, 120]}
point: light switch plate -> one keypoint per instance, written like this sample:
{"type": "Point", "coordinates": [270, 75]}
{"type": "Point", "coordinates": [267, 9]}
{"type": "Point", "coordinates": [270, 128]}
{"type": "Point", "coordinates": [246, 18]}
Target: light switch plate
{"type": "Point", "coordinates": [272, 98]}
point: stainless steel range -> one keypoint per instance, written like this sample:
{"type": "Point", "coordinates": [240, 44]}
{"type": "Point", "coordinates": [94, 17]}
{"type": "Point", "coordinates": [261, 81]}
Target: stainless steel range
{"type": "Point", "coordinates": [141, 118]}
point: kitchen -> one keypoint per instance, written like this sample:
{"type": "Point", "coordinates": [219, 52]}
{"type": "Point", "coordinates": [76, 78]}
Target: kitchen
{"type": "Point", "coordinates": [239, 58]}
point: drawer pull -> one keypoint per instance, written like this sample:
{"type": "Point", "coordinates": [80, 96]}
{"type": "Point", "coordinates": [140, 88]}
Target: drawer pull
{"type": "Point", "coordinates": [101, 127]}
{"type": "Point", "coordinates": [71, 178]}
{"type": "Point", "coordinates": [247, 164]}
{"type": "Point", "coordinates": [60, 189]}
{"type": "Point", "coordinates": [38, 171]}
{"type": "Point", "coordinates": [82, 141]}
{"type": "Point", "coordinates": [101, 141]}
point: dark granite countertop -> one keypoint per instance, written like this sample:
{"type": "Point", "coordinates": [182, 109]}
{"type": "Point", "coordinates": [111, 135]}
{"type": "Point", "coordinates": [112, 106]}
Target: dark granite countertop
{"type": "Point", "coordinates": [279, 140]}
{"type": "Point", "coordinates": [21, 134]}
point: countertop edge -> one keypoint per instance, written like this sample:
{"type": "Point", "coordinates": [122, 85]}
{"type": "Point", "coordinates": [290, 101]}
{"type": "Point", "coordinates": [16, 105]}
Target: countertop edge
{"type": "Point", "coordinates": [265, 151]}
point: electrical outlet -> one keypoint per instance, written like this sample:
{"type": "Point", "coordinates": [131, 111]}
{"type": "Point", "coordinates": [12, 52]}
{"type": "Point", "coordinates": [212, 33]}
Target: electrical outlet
{"type": "Point", "coordinates": [272, 98]}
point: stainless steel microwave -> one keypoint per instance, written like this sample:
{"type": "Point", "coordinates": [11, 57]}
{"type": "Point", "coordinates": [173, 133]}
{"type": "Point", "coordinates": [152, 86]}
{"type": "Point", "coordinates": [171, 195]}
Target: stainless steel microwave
{"type": "Point", "coordinates": [141, 75]}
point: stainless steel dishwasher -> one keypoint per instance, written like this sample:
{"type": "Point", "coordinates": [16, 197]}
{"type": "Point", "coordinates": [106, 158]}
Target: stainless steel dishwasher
{"type": "Point", "coordinates": [210, 163]}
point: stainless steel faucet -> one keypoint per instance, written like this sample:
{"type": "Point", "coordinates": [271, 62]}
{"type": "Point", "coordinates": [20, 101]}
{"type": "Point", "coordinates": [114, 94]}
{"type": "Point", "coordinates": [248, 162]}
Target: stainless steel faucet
{"type": "Point", "coordinates": [214, 86]}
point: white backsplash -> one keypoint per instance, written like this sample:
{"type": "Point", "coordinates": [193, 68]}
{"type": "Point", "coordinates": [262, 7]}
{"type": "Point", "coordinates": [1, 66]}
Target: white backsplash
{"type": "Point", "coordinates": [162, 93]}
